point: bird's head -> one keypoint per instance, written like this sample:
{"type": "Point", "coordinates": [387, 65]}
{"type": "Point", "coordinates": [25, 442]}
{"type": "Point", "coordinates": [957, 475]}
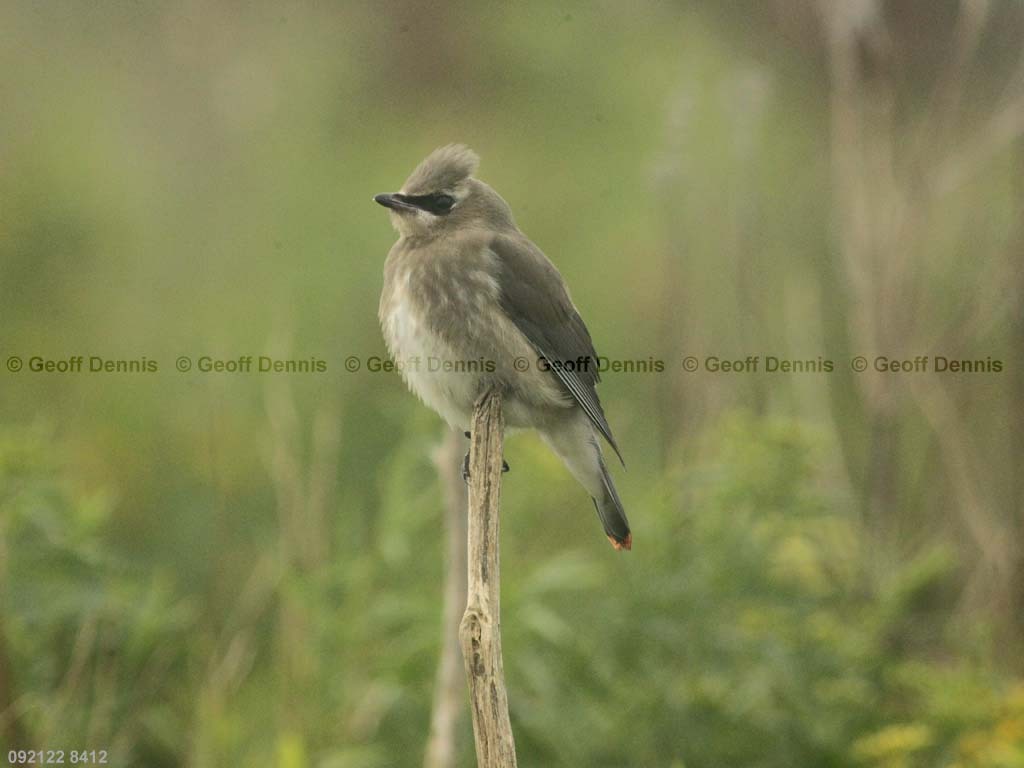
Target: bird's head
{"type": "Point", "coordinates": [442, 197]}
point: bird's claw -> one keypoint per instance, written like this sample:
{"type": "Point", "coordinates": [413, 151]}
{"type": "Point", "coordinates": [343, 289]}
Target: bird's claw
{"type": "Point", "coordinates": [465, 468]}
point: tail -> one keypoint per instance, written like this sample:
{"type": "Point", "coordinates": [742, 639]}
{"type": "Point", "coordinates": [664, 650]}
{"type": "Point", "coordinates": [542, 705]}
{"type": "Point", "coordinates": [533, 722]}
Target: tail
{"type": "Point", "coordinates": [613, 516]}
{"type": "Point", "coordinates": [576, 444]}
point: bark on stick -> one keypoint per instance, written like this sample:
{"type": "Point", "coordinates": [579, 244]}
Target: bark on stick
{"type": "Point", "coordinates": [480, 631]}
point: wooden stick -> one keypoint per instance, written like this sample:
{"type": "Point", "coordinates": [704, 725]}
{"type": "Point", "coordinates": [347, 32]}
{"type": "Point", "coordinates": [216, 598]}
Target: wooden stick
{"type": "Point", "coordinates": [480, 631]}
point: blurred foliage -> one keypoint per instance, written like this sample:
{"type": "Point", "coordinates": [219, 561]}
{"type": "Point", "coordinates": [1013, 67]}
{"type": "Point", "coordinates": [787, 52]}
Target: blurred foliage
{"type": "Point", "coordinates": [97, 646]}
{"type": "Point", "coordinates": [746, 632]}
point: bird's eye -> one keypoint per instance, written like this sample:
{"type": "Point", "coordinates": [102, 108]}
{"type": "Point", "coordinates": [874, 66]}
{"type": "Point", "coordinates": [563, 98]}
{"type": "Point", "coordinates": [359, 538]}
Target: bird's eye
{"type": "Point", "coordinates": [438, 203]}
{"type": "Point", "coordinates": [444, 202]}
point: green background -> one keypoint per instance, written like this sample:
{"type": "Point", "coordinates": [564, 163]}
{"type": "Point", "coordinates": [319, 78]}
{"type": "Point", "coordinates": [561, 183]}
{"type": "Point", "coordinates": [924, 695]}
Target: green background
{"type": "Point", "coordinates": [245, 570]}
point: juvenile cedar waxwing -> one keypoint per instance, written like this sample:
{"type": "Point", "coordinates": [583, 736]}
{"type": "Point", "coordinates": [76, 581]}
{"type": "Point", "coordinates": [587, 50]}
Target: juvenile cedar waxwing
{"type": "Point", "coordinates": [470, 303]}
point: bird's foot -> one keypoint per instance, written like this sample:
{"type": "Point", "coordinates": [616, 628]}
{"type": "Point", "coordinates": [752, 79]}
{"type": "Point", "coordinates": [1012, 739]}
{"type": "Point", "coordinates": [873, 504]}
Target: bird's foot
{"type": "Point", "coordinates": [465, 468]}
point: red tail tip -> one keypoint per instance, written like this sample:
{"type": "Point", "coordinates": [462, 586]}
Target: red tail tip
{"type": "Point", "coordinates": [626, 543]}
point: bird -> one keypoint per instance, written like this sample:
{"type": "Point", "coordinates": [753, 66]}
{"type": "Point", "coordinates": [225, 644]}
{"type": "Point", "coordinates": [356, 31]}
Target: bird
{"type": "Point", "coordinates": [470, 303]}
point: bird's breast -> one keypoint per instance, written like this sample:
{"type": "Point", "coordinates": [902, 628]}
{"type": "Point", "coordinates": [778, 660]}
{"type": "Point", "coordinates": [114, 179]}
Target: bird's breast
{"type": "Point", "coordinates": [449, 337]}
{"type": "Point", "coordinates": [432, 360]}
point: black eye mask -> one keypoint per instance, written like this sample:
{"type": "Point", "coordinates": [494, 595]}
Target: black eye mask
{"type": "Point", "coordinates": [437, 203]}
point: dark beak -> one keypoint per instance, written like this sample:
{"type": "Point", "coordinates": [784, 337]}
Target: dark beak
{"type": "Point", "coordinates": [396, 202]}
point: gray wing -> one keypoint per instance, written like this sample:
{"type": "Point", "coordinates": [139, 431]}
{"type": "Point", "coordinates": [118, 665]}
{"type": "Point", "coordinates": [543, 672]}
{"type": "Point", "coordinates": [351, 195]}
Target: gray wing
{"type": "Point", "coordinates": [534, 297]}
